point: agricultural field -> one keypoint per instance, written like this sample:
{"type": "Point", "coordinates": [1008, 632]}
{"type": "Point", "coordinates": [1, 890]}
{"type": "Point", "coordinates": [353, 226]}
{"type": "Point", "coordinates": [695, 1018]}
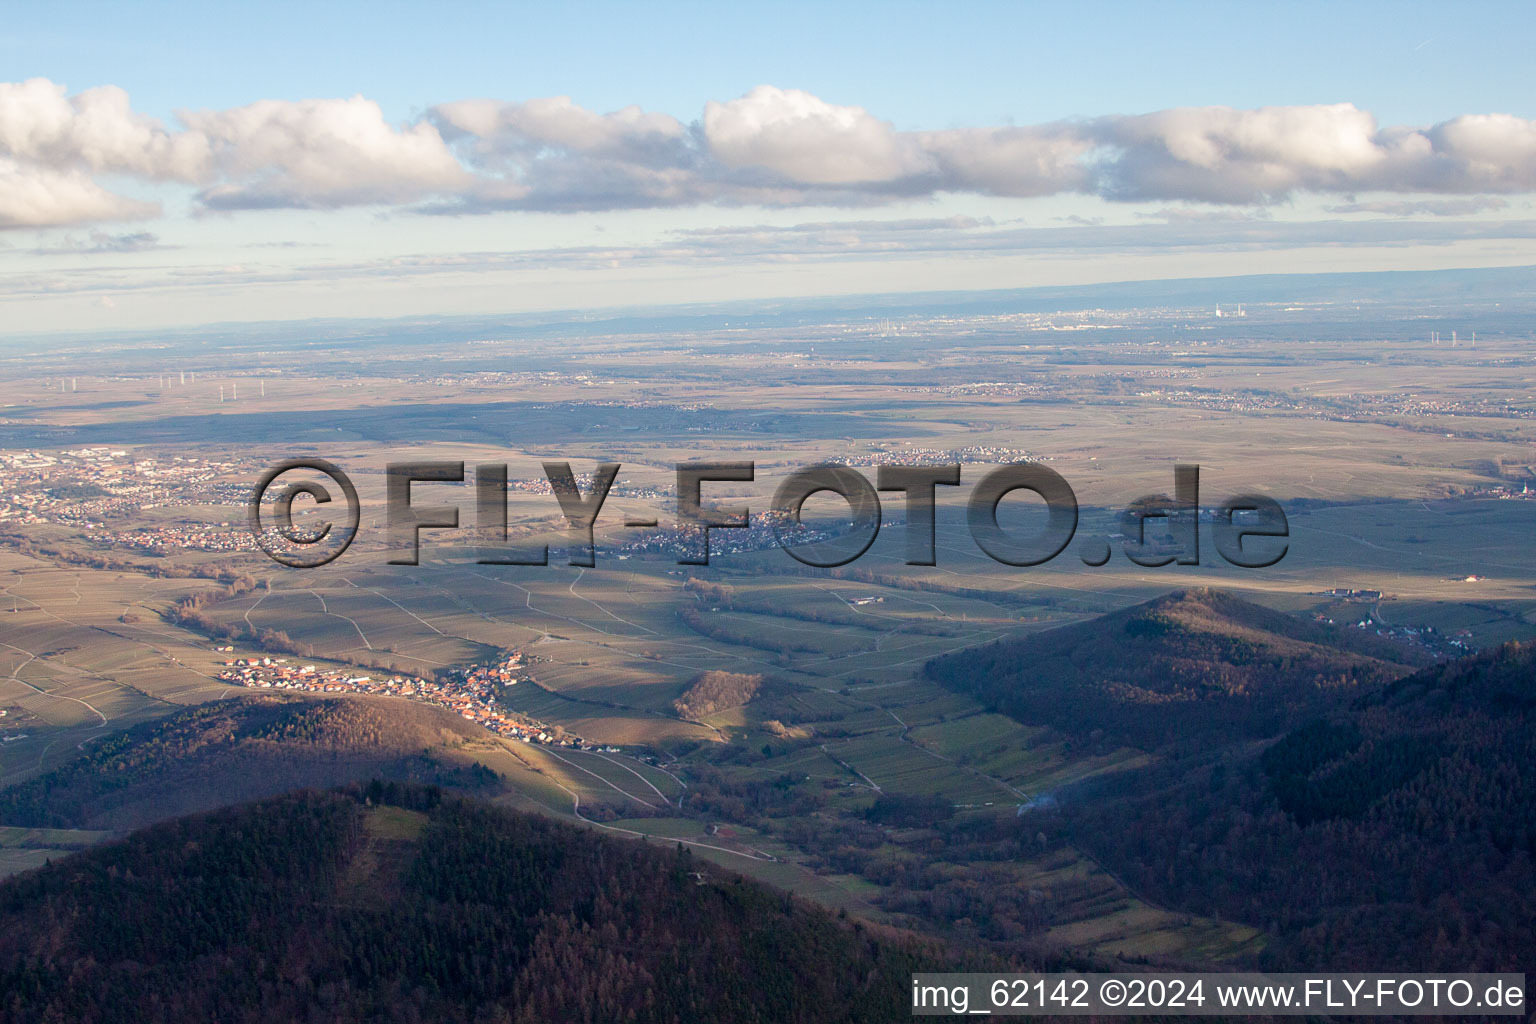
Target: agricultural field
{"type": "Point", "coordinates": [22, 849]}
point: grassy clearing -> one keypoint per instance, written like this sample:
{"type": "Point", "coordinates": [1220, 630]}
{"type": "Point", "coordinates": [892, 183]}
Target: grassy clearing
{"type": "Point", "coordinates": [397, 823]}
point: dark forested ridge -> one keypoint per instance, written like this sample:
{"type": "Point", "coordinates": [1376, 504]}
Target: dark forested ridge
{"type": "Point", "coordinates": [394, 903]}
{"type": "Point", "coordinates": [1365, 816]}
{"type": "Point", "coordinates": [1195, 663]}
{"type": "Point", "coordinates": [241, 749]}
{"type": "Point", "coordinates": [1398, 832]}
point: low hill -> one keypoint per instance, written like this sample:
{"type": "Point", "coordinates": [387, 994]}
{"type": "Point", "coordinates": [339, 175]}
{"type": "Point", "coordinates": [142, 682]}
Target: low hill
{"type": "Point", "coordinates": [1397, 833]}
{"type": "Point", "coordinates": [393, 903]}
{"type": "Point", "coordinates": [716, 691]}
{"type": "Point", "coordinates": [242, 749]}
{"type": "Point", "coordinates": [1194, 663]}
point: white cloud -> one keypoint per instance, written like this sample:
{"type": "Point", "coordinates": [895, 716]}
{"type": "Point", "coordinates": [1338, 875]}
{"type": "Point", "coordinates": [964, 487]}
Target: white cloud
{"type": "Point", "coordinates": [97, 130]}
{"type": "Point", "coordinates": [1010, 161]}
{"type": "Point", "coordinates": [520, 129]}
{"type": "Point", "coordinates": [1218, 154]}
{"type": "Point", "coordinates": [1487, 152]}
{"type": "Point", "coordinates": [321, 153]}
{"type": "Point", "coordinates": [770, 147]}
{"type": "Point", "coordinates": [51, 145]}
{"type": "Point", "coordinates": [553, 154]}
{"type": "Point", "coordinates": [806, 140]}
{"type": "Point", "coordinates": [38, 197]}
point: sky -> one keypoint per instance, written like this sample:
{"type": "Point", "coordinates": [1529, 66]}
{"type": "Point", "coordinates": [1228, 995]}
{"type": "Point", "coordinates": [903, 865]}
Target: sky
{"type": "Point", "coordinates": [165, 166]}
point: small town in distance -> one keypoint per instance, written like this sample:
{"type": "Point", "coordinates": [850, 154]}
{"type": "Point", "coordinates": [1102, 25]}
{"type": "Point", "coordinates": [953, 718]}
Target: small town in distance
{"type": "Point", "coordinates": [469, 692]}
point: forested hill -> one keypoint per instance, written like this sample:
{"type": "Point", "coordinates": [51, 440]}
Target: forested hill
{"type": "Point", "coordinates": [1398, 833]}
{"type": "Point", "coordinates": [393, 903]}
{"type": "Point", "coordinates": [247, 747]}
{"type": "Point", "coordinates": [1194, 664]}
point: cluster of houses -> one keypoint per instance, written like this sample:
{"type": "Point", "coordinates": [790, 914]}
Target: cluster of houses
{"type": "Point", "coordinates": [757, 535]}
{"type": "Point", "coordinates": [968, 454]}
{"type": "Point", "coordinates": [1398, 404]}
{"type": "Point", "coordinates": [470, 692]}
{"type": "Point", "coordinates": [1346, 594]}
{"type": "Point", "coordinates": [1222, 400]}
{"type": "Point", "coordinates": [9, 735]}
{"type": "Point", "coordinates": [1431, 639]}
{"type": "Point", "coordinates": [179, 536]}
{"type": "Point", "coordinates": [1427, 637]}
{"type": "Point", "coordinates": [619, 489]}
{"type": "Point", "coordinates": [81, 487]}
{"type": "Point", "coordinates": [194, 537]}
{"type": "Point", "coordinates": [1505, 492]}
